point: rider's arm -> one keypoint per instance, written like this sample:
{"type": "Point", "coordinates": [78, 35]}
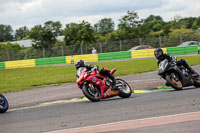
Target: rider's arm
{"type": "Point", "coordinates": [158, 62]}
{"type": "Point", "coordinates": [170, 57]}
{"type": "Point", "coordinates": [89, 67]}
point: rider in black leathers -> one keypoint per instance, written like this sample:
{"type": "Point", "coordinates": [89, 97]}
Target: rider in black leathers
{"type": "Point", "coordinates": [103, 71]}
{"type": "Point", "coordinates": [160, 56]}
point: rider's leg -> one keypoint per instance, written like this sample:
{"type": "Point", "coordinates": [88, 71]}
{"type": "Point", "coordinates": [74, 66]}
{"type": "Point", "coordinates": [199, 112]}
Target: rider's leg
{"type": "Point", "coordinates": [110, 76]}
{"type": "Point", "coordinates": [186, 65]}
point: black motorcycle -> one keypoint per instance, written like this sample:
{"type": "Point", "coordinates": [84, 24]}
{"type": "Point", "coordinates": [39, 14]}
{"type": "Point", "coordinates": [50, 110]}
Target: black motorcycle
{"type": "Point", "coordinates": [177, 76]}
{"type": "Point", "coordinates": [3, 104]}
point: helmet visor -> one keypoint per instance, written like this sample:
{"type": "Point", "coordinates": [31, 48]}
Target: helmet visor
{"type": "Point", "coordinates": [158, 54]}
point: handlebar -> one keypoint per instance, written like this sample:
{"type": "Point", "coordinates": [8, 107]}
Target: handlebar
{"type": "Point", "coordinates": [173, 62]}
{"type": "Point", "coordinates": [93, 69]}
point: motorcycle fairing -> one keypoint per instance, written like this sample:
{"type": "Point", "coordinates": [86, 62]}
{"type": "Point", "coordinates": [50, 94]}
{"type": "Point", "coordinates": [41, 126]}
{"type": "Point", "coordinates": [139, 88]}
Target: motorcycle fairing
{"type": "Point", "coordinates": [105, 90]}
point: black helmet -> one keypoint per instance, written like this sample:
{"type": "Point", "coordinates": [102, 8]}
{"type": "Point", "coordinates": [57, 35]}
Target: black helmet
{"type": "Point", "coordinates": [79, 63]}
{"type": "Point", "coordinates": [158, 53]}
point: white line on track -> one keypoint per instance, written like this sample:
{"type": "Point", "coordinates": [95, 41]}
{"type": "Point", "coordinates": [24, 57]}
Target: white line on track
{"type": "Point", "coordinates": [189, 114]}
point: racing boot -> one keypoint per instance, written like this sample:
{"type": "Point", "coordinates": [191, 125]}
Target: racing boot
{"type": "Point", "coordinates": [110, 76]}
{"type": "Point", "coordinates": [114, 87]}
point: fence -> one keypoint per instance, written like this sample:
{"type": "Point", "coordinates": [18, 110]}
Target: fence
{"type": "Point", "coordinates": [96, 57]}
{"type": "Point", "coordinates": [102, 47]}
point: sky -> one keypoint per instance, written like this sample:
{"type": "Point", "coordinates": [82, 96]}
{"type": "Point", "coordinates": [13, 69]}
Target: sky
{"type": "Point", "coordinates": [19, 13]}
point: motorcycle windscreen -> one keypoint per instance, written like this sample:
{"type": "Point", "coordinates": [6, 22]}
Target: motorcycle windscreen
{"type": "Point", "coordinates": [79, 71]}
{"type": "Point", "coordinates": [162, 66]}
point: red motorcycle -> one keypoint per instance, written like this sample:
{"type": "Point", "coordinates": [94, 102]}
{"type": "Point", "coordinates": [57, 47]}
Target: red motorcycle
{"type": "Point", "coordinates": [95, 86]}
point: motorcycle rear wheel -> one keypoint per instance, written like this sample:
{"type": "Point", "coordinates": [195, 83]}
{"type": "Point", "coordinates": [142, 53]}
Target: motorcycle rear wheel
{"type": "Point", "coordinates": [125, 89]}
{"type": "Point", "coordinates": [174, 83]}
{"type": "Point", "coordinates": [91, 92]}
{"type": "Point", "coordinates": [3, 104]}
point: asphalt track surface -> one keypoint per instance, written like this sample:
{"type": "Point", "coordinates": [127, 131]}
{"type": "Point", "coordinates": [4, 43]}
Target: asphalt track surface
{"type": "Point", "coordinates": [85, 113]}
{"type": "Point", "coordinates": [164, 111]}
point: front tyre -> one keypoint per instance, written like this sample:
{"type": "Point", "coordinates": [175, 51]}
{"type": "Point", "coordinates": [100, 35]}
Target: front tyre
{"type": "Point", "coordinates": [174, 81]}
{"type": "Point", "coordinates": [124, 88]}
{"type": "Point", "coordinates": [3, 104]}
{"type": "Point", "coordinates": [91, 92]}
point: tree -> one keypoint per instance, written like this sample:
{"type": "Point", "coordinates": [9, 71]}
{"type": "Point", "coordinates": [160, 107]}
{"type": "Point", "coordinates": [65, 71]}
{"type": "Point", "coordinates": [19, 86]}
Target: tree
{"type": "Point", "coordinates": [196, 23]}
{"type": "Point", "coordinates": [8, 46]}
{"type": "Point", "coordinates": [166, 29]}
{"type": "Point", "coordinates": [10, 51]}
{"type": "Point", "coordinates": [176, 22]}
{"type": "Point", "coordinates": [54, 26]}
{"type": "Point", "coordinates": [21, 33]}
{"type": "Point", "coordinates": [153, 23]}
{"type": "Point", "coordinates": [189, 22]}
{"type": "Point", "coordinates": [129, 22]}
{"type": "Point", "coordinates": [143, 30]}
{"type": "Point", "coordinates": [42, 36]}
{"type": "Point", "coordinates": [104, 26]}
{"type": "Point", "coordinates": [6, 33]}
{"type": "Point", "coordinates": [82, 33]}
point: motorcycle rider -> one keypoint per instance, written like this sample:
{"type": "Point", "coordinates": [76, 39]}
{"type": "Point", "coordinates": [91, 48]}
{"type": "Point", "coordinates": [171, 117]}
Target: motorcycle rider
{"type": "Point", "coordinates": [160, 56]}
{"type": "Point", "coordinates": [103, 71]}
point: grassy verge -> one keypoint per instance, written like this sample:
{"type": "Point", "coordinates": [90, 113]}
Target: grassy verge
{"type": "Point", "coordinates": [29, 78]}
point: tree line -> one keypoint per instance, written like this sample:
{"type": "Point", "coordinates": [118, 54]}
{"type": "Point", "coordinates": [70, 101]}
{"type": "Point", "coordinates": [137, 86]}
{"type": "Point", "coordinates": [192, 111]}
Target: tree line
{"type": "Point", "coordinates": [130, 26]}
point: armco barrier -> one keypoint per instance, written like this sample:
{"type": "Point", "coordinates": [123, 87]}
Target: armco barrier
{"type": "Point", "coordinates": [182, 50]}
{"type": "Point", "coordinates": [86, 57]}
{"type": "Point", "coordinates": [2, 65]}
{"type": "Point", "coordinates": [50, 61]}
{"type": "Point", "coordinates": [144, 53]}
{"type": "Point", "coordinates": [114, 55]}
{"type": "Point", "coordinates": [19, 64]}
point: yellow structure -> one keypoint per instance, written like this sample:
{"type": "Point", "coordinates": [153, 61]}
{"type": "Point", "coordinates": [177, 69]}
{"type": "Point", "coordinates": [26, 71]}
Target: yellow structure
{"type": "Point", "coordinates": [68, 59]}
{"type": "Point", "coordinates": [86, 57]}
{"type": "Point", "coordinates": [144, 53]}
{"type": "Point", "coordinates": [19, 64]}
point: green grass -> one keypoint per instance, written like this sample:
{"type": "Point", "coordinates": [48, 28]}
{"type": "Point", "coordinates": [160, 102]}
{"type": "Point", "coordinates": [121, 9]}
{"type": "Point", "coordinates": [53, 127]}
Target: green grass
{"type": "Point", "coordinates": [29, 78]}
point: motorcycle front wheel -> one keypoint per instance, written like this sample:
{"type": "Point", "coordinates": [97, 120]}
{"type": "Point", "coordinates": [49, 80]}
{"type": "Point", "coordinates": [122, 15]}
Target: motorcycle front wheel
{"type": "Point", "coordinates": [174, 81]}
{"type": "Point", "coordinates": [124, 88]}
{"type": "Point", "coordinates": [3, 104]}
{"type": "Point", "coordinates": [91, 92]}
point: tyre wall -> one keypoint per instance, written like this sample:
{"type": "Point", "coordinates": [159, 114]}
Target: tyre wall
{"type": "Point", "coordinates": [96, 57]}
{"type": "Point", "coordinates": [2, 65]}
{"type": "Point", "coordinates": [114, 55]}
{"type": "Point", "coordinates": [182, 50]}
{"type": "Point", "coordinates": [19, 64]}
{"type": "Point", "coordinates": [50, 61]}
{"type": "Point", "coordinates": [144, 53]}
{"type": "Point", "coordinates": [86, 57]}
